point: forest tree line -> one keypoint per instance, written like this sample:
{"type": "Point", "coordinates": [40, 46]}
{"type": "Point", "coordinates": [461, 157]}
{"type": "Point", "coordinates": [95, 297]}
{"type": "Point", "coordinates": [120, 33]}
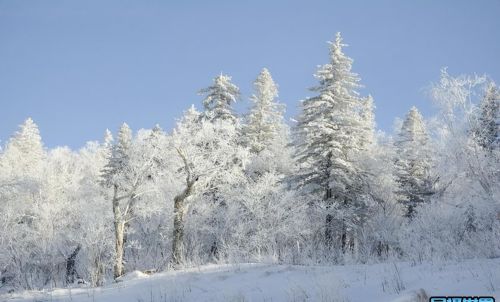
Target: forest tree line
{"type": "Point", "coordinates": [326, 188]}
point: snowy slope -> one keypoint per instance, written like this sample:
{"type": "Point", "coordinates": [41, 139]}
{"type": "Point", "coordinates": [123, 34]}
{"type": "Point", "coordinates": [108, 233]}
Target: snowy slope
{"type": "Point", "coordinates": [260, 282]}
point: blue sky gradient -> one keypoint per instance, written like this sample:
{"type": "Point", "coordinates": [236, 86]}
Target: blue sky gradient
{"type": "Point", "coordinates": [79, 67]}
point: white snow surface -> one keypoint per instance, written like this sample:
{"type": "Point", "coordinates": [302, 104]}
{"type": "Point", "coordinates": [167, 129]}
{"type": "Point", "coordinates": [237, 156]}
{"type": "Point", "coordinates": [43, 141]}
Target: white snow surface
{"type": "Point", "coordinates": [401, 282]}
{"type": "Point", "coordinates": [133, 276]}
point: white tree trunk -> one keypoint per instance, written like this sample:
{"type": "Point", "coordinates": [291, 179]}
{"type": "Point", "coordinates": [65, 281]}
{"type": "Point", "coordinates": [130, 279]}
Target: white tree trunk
{"type": "Point", "coordinates": [118, 268]}
{"type": "Point", "coordinates": [177, 243]}
{"type": "Point", "coordinates": [119, 224]}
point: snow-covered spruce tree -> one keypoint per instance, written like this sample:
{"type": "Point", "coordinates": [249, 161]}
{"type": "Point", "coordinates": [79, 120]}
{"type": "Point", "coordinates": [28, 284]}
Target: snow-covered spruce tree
{"type": "Point", "coordinates": [25, 149]}
{"type": "Point", "coordinates": [107, 143]}
{"type": "Point", "coordinates": [487, 130]}
{"type": "Point", "coordinates": [128, 172]}
{"type": "Point", "coordinates": [264, 123]}
{"type": "Point", "coordinates": [265, 132]}
{"type": "Point", "coordinates": [219, 99]}
{"type": "Point", "coordinates": [27, 140]}
{"type": "Point", "coordinates": [413, 163]}
{"type": "Point", "coordinates": [327, 140]}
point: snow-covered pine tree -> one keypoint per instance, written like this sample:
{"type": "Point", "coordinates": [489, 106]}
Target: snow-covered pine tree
{"type": "Point", "coordinates": [413, 163]}
{"type": "Point", "coordinates": [487, 130]}
{"type": "Point", "coordinates": [219, 98]}
{"type": "Point", "coordinates": [25, 149]}
{"type": "Point", "coordinates": [264, 123]}
{"type": "Point", "coordinates": [119, 157]}
{"type": "Point", "coordinates": [108, 139]}
{"type": "Point", "coordinates": [105, 147]}
{"type": "Point", "coordinates": [155, 142]}
{"type": "Point", "coordinates": [327, 136]}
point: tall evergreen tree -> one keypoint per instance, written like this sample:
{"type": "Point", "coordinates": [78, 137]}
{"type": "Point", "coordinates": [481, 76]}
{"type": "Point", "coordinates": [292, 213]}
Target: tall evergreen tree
{"type": "Point", "coordinates": [413, 163]}
{"type": "Point", "coordinates": [264, 124]}
{"type": "Point", "coordinates": [25, 149]}
{"type": "Point", "coordinates": [116, 169]}
{"type": "Point", "coordinates": [219, 99]}
{"type": "Point", "coordinates": [487, 130]}
{"type": "Point", "coordinates": [108, 139]}
{"type": "Point", "coordinates": [327, 138]}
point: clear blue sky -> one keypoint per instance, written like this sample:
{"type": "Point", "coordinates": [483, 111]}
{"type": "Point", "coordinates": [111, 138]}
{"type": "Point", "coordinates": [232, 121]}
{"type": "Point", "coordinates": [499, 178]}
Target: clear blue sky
{"type": "Point", "coordinates": [79, 67]}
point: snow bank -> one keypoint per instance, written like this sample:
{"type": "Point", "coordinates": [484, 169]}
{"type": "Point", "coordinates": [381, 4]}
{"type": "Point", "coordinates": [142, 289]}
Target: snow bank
{"type": "Point", "coordinates": [395, 282]}
{"type": "Point", "coordinates": [132, 276]}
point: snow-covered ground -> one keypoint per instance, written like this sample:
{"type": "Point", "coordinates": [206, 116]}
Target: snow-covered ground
{"type": "Point", "coordinates": [260, 282]}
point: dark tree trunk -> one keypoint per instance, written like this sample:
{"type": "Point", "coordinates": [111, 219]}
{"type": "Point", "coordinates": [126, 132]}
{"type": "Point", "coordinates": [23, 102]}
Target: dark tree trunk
{"type": "Point", "coordinates": [214, 250]}
{"type": "Point", "coordinates": [343, 234]}
{"type": "Point", "coordinates": [329, 221]}
{"type": "Point", "coordinates": [343, 239]}
{"type": "Point", "coordinates": [382, 249]}
{"type": "Point", "coordinates": [71, 274]}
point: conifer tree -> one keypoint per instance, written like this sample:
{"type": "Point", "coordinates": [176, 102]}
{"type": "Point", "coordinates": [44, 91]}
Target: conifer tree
{"type": "Point", "coordinates": [264, 124]}
{"type": "Point", "coordinates": [108, 138]}
{"type": "Point", "coordinates": [25, 149]}
{"type": "Point", "coordinates": [413, 163]}
{"type": "Point", "coordinates": [487, 130]}
{"type": "Point", "coordinates": [219, 99]}
{"type": "Point", "coordinates": [328, 131]}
